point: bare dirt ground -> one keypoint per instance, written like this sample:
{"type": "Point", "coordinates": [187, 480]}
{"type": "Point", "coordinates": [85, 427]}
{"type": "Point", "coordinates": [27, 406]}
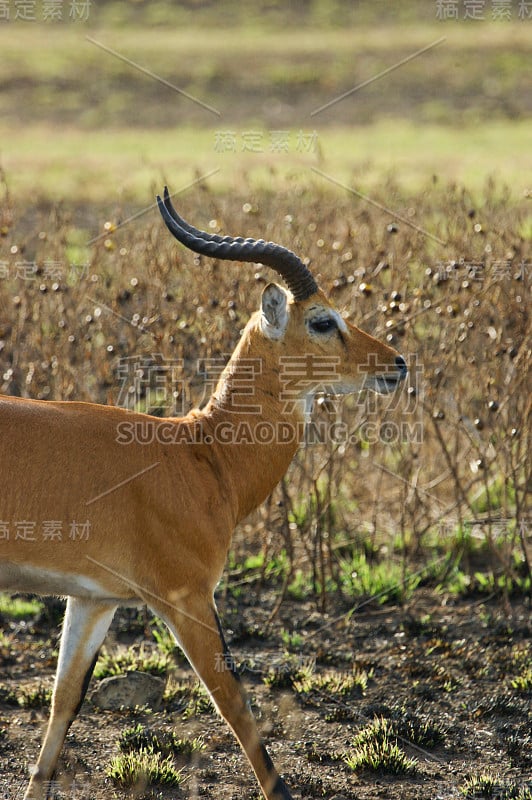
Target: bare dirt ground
{"type": "Point", "coordinates": [446, 663]}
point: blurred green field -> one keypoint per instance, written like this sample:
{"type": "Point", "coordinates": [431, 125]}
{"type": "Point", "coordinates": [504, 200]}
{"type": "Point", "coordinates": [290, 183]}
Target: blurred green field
{"type": "Point", "coordinates": [77, 122]}
{"type": "Point", "coordinates": [124, 165]}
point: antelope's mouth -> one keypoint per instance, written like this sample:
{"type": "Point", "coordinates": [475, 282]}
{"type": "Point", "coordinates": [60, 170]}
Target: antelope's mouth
{"type": "Point", "coordinates": [385, 384]}
{"type": "Point", "coordinates": [388, 382]}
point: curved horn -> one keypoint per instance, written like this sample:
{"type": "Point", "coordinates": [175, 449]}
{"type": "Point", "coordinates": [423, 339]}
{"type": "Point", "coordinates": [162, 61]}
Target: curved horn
{"type": "Point", "coordinates": [298, 278]}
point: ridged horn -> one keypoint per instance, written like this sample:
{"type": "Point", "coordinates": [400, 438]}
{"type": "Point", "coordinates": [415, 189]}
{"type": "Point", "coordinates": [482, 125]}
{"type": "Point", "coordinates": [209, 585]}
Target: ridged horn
{"type": "Point", "coordinates": [297, 277]}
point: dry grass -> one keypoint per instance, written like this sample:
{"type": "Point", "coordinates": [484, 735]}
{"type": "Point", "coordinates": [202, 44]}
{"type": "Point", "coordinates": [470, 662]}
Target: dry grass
{"type": "Point", "coordinates": [438, 474]}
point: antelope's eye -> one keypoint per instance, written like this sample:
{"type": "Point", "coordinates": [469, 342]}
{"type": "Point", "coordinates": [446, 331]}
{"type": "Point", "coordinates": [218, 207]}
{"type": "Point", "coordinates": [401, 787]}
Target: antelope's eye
{"type": "Point", "coordinates": [324, 325]}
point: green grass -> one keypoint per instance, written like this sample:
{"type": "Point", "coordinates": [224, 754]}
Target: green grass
{"type": "Point", "coordinates": [44, 51]}
{"type": "Point", "coordinates": [375, 749]}
{"type": "Point", "coordinates": [487, 785]}
{"type": "Point", "coordinates": [165, 641]}
{"type": "Point", "coordinates": [120, 134]}
{"type": "Point", "coordinates": [36, 697]}
{"type": "Point", "coordinates": [140, 738]}
{"type": "Point", "coordinates": [412, 729]}
{"type": "Point", "coordinates": [156, 663]}
{"type": "Point", "coordinates": [191, 699]}
{"type": "Point", "coordinates": [199, 703]}
{"type": "Point", "coordinates": [523, 683]}
{"type": "Point", "coordinates": [143, 768]}
{"type": "Point", "coordinates": [384, 580]}
{"type": "Point", "coordinates": [123, 165]}
{"type": "Point", "coordinates": [338, 685]}
{"type": "Point", "coordinates": [19, 607]}
{"type": "Point", "coordinates": [286, 674]}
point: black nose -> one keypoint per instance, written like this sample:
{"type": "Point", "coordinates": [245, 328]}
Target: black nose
{"type": "Point", "coordinates": [400, 363]}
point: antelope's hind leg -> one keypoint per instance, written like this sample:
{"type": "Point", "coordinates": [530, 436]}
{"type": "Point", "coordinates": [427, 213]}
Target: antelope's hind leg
{"type": "Point", "coordinates": [84, 627]}
{"type": "Point", "coordinates": [197, 629]}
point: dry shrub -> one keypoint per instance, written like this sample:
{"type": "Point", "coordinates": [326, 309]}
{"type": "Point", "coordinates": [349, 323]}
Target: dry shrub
{"type": "Point", "coordinates": [422, 472]}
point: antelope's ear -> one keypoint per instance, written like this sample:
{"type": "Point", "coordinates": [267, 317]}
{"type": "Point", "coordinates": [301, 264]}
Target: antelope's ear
{"type": "Point", "coordinates": [274, 311]}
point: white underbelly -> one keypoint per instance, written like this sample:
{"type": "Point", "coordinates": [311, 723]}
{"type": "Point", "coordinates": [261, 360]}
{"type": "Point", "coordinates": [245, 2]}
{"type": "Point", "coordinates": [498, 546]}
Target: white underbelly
{"type": "Point", "coordinates": [35, 580]}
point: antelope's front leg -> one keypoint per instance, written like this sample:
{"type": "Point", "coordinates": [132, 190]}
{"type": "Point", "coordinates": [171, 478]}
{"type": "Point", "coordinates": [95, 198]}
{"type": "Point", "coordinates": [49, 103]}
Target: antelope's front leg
{"type": "Point", "coordinates": [197, 629]}
{"type": "Point", "coordinates": [85, 625]}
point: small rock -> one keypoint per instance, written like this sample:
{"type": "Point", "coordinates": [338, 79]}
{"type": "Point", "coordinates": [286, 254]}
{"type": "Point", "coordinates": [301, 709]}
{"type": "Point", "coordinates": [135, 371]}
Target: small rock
{"type": "Point", "coordinates": [128, 691]}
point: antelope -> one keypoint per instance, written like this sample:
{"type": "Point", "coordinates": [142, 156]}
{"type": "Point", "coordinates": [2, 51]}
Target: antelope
{"type": "Point", "coordinates": [159, 513]}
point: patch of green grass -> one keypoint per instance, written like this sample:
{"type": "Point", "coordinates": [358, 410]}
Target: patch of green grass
{"type": "Point", "coordinates": [255, 567]}
{"type": "Point", "coordinates": [124, 165]}
{"type": "Point", "coordinates": [190, 698]}
{"type": "Point", "coordinates": [286, 674]}
{"type": "Point", "coordinates": [523, 682]}
{"type": "Point", "coordinates": [457, 582]}
{"type": "Point", "coordinates": [291, 639]}
{"type": "Point", "coordinates": [487, 785]}
{"type": "Point", "coordinates": [165, 641]}
{"type": "Point", "coordinates": [443, 152]}
{"type": "Point", "coordinates": [143, 769]}
{"type": "Point", "coordinates": [502, 584]}
{"type": "Point", "coordinates": [499, 494]}
{"type": "Point", "coordinates": [300, 586]}
{"type": "Point", "coordinates": [199, 703]}
{"type": "Point", "coordinates": [19, 607]}
{"type": "Point", "coordinates": [460, 582]}
{"type": "Point", "coordinates": [375, 748]}
{"type": "Point", "coordinates": [8, 696]}
{"type": "Point", "coordinates": [140, 738]}
{"type": "Point", "coordinates": [384, 580]}
{"type": "Point", "coordinates": [488, 555]}
{"type": "Point", "coordinates": [155, 662]}
{"type": "Point", "coordinates": [336, 685]}
{"type": "Point", "coordinates": [482, 785]}
{"type": "Point", "coordinates": [411, 728]}
{"type": "Point", "coordinates": [37, 697]}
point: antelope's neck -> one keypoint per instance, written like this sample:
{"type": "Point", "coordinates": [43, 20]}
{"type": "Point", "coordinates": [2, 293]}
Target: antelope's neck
{"type": "Point", "coordinates": [256, 429]}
